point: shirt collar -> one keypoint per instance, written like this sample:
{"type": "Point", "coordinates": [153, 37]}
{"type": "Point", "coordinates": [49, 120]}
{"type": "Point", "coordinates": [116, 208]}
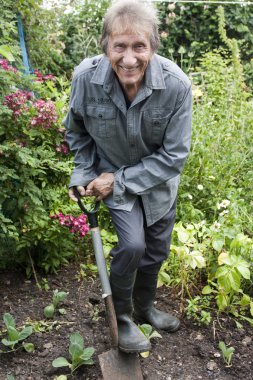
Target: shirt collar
{"type": "Point", "coordinates": [104, 74]}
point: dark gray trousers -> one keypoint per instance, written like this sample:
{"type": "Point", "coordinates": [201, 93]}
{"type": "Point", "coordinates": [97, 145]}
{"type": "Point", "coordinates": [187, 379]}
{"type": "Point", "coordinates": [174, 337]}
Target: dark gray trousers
{"type": "Point", "coordinates": [140, 247]}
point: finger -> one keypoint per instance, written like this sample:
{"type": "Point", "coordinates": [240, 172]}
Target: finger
{"type": "Point", "coordinates": [89, 193]}
{"type": "Point", "coordinates": [71, 195]}
{"type": "Point", "coordinates": [81, 190]}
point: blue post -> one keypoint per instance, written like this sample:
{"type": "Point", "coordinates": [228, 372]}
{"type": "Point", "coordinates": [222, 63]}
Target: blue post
{"type": "Point", "coordinates": [22, 45]}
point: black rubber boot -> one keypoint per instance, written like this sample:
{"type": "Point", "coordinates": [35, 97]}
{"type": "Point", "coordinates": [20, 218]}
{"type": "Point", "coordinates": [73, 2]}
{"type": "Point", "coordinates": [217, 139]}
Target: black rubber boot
{"type": "Point", "coordinates": [144, 310]}
{"type": "Point", "coordinates": [131, 339]}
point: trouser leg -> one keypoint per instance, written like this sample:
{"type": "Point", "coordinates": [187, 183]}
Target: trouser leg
{"type": "Point", "coordinates": [126, 258]}
{"type": "Point", "coordinates": [129, 226]}
{"type": "Point", "coordinates": [157, 239]}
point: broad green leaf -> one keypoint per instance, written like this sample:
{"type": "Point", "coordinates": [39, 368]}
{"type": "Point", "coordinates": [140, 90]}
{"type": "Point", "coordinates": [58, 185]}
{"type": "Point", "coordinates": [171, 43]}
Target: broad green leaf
{"type": "Point", "coordinates": [245, 300]}
{"type": "Point", "coordinates": [146, 329]}
{"type": "Point", "coordinates": [6, 52]}
{"type": "Point", "coordinates": [62, 311]}
{"type": "Point", "coordinates": [222, 301]}
{"type": "Point", "coordinates": [87, 353]}
{"type": "Point", "coordinates": [29, 347]}
{"type": "Point", "coordinates": [61, 377]}
{"type": "Point", "coordinates": [207, 289]}
{"type": "Point", "coordinates": [243, 268]}
{"type": "Point", "coordinates": [76, 345]}
{"type": "Point", "coordinates": [218, 243]}
{"type": "Point", "coordinates": [9, 343]}
{"type": "Point", "coordinates": [164, 277]}
{"type": "Point", "coordinates": [61, 362]}
{"type": "Point", "coordinates": [195, 260]}
{"type": "Point", "coordinates": [155, 334]}
{"type": "Point", "coordinates": [27, 331]}
{"type": "Point", "coordinates": [9, 320]}
{"type": "Point", "coordinates": [222, 257]}
{"type": "Point", "coordinates": [59, 297]}
{"type": "Point", "coordinates": [183, 235]}
{"type": "Point", "coordinates": [13, 334]}
{"type": "Point", "coordinates": [222, 272]}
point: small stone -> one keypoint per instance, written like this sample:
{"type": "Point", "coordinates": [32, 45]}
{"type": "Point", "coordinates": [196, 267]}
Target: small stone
{"type": "Point", "coordinates": [159, 358]}
{"type": "Point", "coordinates": [246, 341]}
{"type": "Point", "coordinates": [217, 354]}
{"type": "Point", "coordinates": [211, 365]}
{"type": "Point", "coordinates": [168, 378]}
{"type": "Point", "coordinates": [43, 353]}
{"type": "Point", "coordinates": [48, 345]}
{"type": "Point", "coordinates": [199, 337]}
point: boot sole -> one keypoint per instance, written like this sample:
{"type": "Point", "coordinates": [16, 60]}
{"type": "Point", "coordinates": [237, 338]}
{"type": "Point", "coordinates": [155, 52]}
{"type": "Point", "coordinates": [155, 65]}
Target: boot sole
{"type": "Point", "coordinates": [134, 351]}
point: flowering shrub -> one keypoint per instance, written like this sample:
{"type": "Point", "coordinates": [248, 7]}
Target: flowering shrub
{"type": "Point", "coordinates": [76, 225]}
{"type": "Point", "coordinates": [35, 168]}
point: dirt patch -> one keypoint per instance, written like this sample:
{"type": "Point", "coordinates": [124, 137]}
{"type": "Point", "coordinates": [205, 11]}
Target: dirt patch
{"type": "Point", "coordinates": [191, 353]}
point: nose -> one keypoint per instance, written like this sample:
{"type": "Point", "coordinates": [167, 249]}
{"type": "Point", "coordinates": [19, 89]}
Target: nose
{"type": "Point", "coordinates": [129, 59]}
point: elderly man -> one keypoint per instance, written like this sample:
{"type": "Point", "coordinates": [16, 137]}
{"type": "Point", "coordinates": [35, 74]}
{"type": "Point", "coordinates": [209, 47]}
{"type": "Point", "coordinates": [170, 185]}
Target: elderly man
{"type": "Point", "coordinates": [129, 126]}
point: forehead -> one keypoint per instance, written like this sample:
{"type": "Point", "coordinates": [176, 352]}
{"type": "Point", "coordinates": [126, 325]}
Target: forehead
{"type": "Point", "coordinates": [129, 38]}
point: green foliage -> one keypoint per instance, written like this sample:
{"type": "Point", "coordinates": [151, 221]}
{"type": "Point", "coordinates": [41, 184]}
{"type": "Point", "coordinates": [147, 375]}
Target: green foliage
{"type": "Point", "coordinates": [82, 29]}
{"type": "Point", "coordinates": [14, 336]}
{"type": "Point", "coordinates": [58, 297]}
{"type": "Point", "coordinates": [190, 30]}
{"type": "Point", "coordinates": [227, 353]}
{"type": "Point", "coordinates": [196, 309]}
{"type": "Point", "coordinates": [78, 354]}
{"type": "Point", "coordinates": [148, 331]}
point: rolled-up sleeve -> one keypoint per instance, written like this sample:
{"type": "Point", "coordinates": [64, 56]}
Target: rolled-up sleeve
{"type": "Point", "coordinates": [79, 141]}
{"type": "Point", "coordinates": [166, 162]}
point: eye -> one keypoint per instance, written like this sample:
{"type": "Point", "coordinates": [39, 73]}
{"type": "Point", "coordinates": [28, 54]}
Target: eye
{"type": "Point", "coordinates": [119, 47]}
{"type": "Point", "coordinates": [139, 46]}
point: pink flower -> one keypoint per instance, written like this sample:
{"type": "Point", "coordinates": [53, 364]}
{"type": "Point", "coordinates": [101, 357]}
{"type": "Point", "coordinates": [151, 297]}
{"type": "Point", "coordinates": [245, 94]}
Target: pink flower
{"type": "Point", "coordinates": [76, 225]}
{"type": "Point", "coordinates": [17, 101]}
{"type": "Point", "coordinates": [62, 148]}
{"type": "Point", "coordinates": [46, 114]}
{"type": "Point", "coordinates": [5, 66]}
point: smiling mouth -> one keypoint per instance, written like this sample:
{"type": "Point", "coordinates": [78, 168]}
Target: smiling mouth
{"type": "Point", "coordinates": [129, 70]}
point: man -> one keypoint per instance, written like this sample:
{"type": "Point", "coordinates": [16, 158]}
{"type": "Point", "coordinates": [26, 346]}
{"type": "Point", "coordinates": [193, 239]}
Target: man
{"type": "Point", "coordinates": [129, 126]}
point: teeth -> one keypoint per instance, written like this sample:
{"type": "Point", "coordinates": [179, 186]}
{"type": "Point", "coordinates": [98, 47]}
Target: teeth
{"type": "Point", "coordinates": [128, 70]}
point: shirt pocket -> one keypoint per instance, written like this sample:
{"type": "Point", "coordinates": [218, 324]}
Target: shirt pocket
{"type": "Point", "coordinates": [101, 121]}
{"type": "Point", "coordinates": [155, 122]}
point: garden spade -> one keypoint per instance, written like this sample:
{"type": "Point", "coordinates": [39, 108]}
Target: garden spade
{"type": "Point", "coordinates": [114, 364]}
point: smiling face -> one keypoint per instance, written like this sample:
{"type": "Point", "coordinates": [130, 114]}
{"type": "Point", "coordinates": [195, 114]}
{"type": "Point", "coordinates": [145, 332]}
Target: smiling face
{"type": "Point", "coordinates": [129, 55]}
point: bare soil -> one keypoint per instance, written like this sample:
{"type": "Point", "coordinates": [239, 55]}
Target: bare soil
{"type": "Point", "coordinates": [192, 353]}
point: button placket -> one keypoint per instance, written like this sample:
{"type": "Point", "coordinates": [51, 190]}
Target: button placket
{"type": "Point", "coordinates": [133, 151]}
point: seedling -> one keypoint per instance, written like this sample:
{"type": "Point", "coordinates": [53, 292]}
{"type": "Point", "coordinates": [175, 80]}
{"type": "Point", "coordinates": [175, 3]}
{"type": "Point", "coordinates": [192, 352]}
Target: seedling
{"type": "Point", "coordinates": [14, 336]}
{"type": "Point", "coordinates": [50, 309]}
{"type": "Point", "coordinates": [149, 333]}
{"type": "Point", "coordinates": [78, 354]}
{"type": "Point", "coordinates": [227, 353]}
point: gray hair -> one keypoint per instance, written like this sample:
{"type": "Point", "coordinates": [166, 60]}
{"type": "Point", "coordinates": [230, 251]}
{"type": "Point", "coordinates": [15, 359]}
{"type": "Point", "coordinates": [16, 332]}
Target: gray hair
{"type": "Point", "coordinates": [133, 15]}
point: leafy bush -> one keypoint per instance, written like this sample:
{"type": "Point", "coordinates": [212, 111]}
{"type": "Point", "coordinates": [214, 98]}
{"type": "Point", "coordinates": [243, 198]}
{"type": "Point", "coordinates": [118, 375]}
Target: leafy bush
{"type": "Point", "coordinates": [35, 168]}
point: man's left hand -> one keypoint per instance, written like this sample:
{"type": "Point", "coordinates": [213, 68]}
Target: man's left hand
{"type": "Point", "coordinates": [101, 187]}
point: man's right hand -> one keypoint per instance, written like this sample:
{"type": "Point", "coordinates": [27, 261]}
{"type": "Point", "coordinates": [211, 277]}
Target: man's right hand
{"type": "Point", "coordinates": [81, 191]}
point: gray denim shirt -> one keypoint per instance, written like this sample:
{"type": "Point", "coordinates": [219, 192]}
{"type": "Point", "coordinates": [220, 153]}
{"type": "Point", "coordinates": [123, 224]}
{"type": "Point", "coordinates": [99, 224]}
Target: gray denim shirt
{"type": "Point", "coordinates": [145, 146]}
